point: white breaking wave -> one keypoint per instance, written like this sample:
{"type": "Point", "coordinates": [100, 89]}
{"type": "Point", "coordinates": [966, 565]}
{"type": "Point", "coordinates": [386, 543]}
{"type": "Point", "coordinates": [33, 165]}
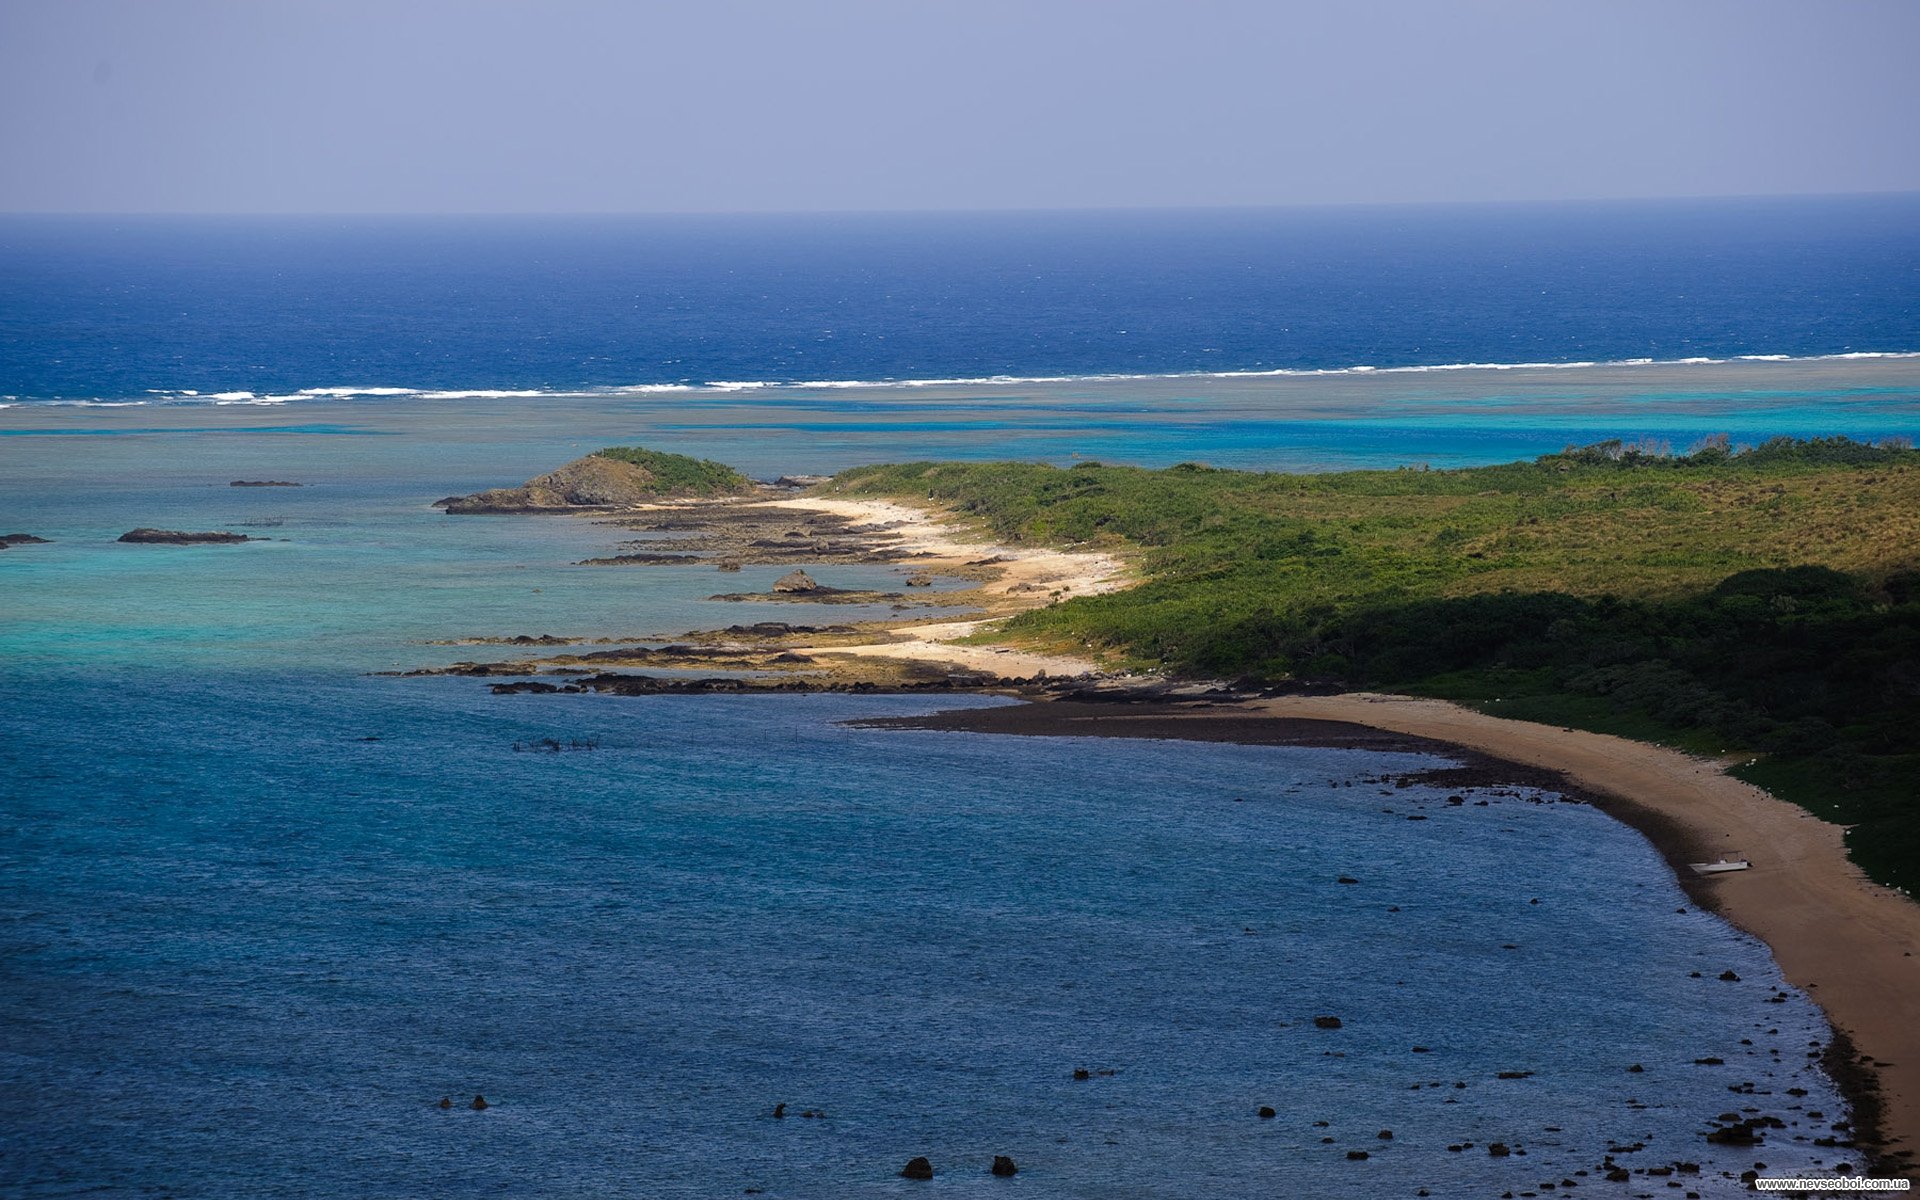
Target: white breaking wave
{"type": "Point", "coordinates": [344, 392]}
{"type": "Point", "coordinates": [735, 386]}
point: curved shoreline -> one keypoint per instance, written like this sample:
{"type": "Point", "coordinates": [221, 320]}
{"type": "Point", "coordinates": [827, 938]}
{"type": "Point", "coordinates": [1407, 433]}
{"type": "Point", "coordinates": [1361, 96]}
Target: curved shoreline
{"type": "Point", "coordinates": [1850, 944]}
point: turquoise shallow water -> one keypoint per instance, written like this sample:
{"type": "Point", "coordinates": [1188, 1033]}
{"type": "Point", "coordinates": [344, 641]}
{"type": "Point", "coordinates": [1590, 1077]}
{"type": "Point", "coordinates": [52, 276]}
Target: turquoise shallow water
{"type": "Point", "coordinates": [260, 909]}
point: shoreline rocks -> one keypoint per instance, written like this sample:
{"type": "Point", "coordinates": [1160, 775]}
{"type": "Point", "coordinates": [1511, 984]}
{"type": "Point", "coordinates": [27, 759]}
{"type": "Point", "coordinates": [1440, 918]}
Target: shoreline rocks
{"type": "Point", "coordinates": [264, 483]}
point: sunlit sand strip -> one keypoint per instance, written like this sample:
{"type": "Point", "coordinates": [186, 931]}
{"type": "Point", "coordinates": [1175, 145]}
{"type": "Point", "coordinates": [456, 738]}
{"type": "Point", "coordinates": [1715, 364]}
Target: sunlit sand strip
{"type": "Point", "coordinates": [1027, 578]}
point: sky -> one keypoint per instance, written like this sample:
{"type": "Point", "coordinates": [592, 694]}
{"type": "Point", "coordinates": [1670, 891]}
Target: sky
{"type": "Point", "coordinates": [406, 106]}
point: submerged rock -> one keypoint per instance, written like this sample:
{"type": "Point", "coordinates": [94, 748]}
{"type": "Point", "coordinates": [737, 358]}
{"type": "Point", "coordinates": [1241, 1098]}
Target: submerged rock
{"type": "Point", "coordinates": [264, 483]}
{"type": "Point", "coordinates": [1003, 1166]}
{"type": "Point", "coordinates": [175, 537]}
{"type": "Point", "coordinates": [1326, 1022]}
{"type": "Point", "coordinates": [918, 1168]}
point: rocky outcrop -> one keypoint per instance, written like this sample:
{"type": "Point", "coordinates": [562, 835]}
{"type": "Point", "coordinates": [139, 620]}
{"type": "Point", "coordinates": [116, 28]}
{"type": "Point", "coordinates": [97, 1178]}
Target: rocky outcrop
{"type": "Point", "coordinates": [590, 482]}
{"type": "Point", "coordinates": [175, 537]}
{"type": "Point", "coordinates": [1003, 1167]}
{"type": "Point", "coordinates": [264, 483]}
{"type": "Point", "coordinates": [795, 582]}
{"type": "Point", "coordinates": [594, 482]}
{"type": "Point", "coordinates": [22, 539]}
{"type": "Point", "coordinates": [918, 1168]}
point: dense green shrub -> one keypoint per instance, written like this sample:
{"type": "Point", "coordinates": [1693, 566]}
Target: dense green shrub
{"type": "Point", "coordinates": [1764, 601]}
{"type": "Point", "coordinates": [678, 474]}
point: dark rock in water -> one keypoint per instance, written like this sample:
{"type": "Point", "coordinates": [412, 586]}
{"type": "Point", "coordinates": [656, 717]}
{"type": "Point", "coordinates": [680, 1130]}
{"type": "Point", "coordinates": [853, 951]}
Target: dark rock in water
{"type": "Point", "coordinates": [1356, 1155]}
{"type": "Point", "coordinates": [1618, 1175]}
{"type": "Point", "coordinates": [175, 537]}
{"type": "Point", "coordinates": [918, 1168]}
{"type": "Point", "coordinates": [22, 539]}
{"type": "Point", "coordinates": [479, 1102]}
{"type": "Point", "coordinates": [1003, 1167]}
{"type": "Point", "coordinates": [1636, 1069]}
{"type": "Point", "coordinates": [1513, 1074]}
{"type": "Point", "coordinates": [1498, 1149]}
{"type": "Point", "coordinates": [1729, 977]}
{"type": "Point", "coordinates": [1267, 1113]}
{"type": "Point", "coordinates": [1709, 1062]}
{"type": "Point", "coordinates": [920, 581]}
{"type": "Point", "coordinates": [1346, 879]}
{"type": "Point", "coordinates": [264, 483]}
{"type": "Point", "coordinates": [780, 1111]}
{"type": "Point", "coordinates": [1326, 1022]}
{"type": "Point", "coordinates": [727, 564]}
{"type": "Point", "coordinates": [446, 1102]}
{"type": "Point", "coordinates": [1385, 1135]}
{"type": "Point", "coordinates": [795, 581]}
{"type": "Point", "coordinates": [1081, 1073]}
{"type": "Point", "coordinates": [1741, 1133]}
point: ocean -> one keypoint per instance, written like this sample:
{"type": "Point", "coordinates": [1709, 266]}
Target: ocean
{"type": "Point", "coordinates": [262, 906]}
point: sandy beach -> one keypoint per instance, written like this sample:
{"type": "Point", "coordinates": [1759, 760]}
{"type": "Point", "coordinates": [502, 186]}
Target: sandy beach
{"type": "Point", "coordinates": [1025, 577]}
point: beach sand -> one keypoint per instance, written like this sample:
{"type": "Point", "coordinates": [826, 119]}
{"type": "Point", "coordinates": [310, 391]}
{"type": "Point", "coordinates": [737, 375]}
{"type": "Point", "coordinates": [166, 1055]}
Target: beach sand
{"type": "Point", "coordinates": [1026, 577]}
{"type": "Point", "coordinates": [1848, 942]}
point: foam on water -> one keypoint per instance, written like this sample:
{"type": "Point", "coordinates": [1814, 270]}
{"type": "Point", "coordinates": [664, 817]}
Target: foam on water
{"type": "Point", "coordinates": [726, 387]}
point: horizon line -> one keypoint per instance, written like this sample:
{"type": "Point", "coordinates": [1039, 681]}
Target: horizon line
{"type": "Point", "coordinates": [1009, 210]}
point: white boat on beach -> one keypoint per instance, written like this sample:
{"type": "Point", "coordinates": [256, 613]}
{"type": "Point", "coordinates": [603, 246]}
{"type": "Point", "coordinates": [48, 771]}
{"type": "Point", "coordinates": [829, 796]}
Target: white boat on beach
{"type": "Point", "coordinates": [1717, 868]}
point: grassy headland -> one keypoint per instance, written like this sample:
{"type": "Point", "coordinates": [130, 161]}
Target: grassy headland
{"type": "Point", "coordinates": [1761, 602]}
{"type": "Point", "coordinates": [679, 474]}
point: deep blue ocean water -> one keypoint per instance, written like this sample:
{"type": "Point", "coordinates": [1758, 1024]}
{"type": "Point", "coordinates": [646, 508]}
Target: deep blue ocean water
{"type": "Point", "coordinates": [120, 308]}
{"type": "Point", "coordinates": [246, 948]}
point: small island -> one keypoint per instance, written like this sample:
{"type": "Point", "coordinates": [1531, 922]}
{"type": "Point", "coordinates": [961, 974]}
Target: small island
{"type": "Point", "coordinates": [617, 477]}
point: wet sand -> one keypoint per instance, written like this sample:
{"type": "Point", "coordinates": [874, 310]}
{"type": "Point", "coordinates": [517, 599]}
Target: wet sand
{"type": "Point", "coordinates": [1848, 942]}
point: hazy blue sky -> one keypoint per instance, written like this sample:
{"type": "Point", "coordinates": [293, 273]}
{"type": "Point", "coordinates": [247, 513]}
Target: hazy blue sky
{"type": "Point", "coordinates": [598, 105]}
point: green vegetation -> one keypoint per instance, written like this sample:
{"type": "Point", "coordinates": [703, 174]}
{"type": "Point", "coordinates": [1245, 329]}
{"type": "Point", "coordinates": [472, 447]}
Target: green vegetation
{"type": "Point", "coordinates": [677, 474]}
{"type": "Point", "coordinates": [1763, 602]}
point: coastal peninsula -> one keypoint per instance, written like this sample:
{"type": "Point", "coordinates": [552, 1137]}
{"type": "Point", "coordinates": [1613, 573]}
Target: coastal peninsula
{"type": "Point", "coordinates": [1668, 634]}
